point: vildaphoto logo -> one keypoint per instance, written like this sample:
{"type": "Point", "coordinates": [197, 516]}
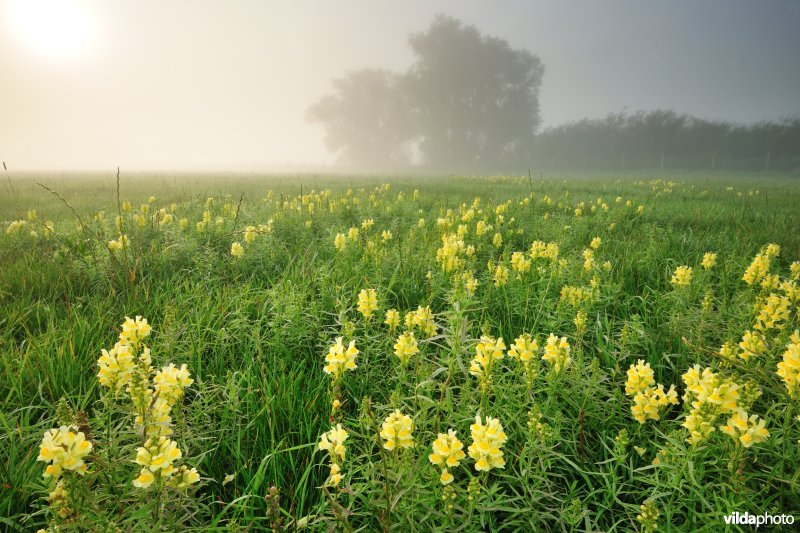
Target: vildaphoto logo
{"type": "Point", "coordinates": [747, 519]}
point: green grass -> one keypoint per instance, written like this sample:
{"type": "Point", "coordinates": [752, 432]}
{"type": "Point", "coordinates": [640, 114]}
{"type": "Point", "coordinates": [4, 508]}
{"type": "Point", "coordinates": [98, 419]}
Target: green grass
{"type": "Point", "coordinates": [254, 331]}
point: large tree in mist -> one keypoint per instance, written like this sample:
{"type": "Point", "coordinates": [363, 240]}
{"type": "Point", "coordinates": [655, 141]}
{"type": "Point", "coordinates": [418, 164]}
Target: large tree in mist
{"type": "Point", "coordinates": [367, 120]}
{"type": "Point", "coordinates": [468, 101]}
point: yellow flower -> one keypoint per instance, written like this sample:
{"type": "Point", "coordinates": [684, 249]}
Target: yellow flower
{"type": "Point", "coordinates": [774, 311]}
{"type": "Point", "coordinates": [557, 353]}
{"type": "Point", "coordinates": [352, 234]}
{"type": "Point", "coordinates": [449, 254]}
{"type": "Point", "coordinates": [448, 452]}
{"type": "Point", "coordinates": [116, 366]}
{"type": "Point", "coordinates": [640, 377]}
{"type": "Point", "coordinates": [524, 348]}
{"type": "Point", "coordinates": [406, 347]}
{"type": "Point", "coordinates": [339, 241]}
{"type": "Point", "coordinates": [752, 344]}
{"type": "Point", "coordinates": [487, 439]}
{"type": "Point", "coordinates": [340, 359]}
{"type": "Point", "coordinates": [386, 236]}
{"type": "Point", "coordinates": [333, 442]}
{"type": "Point", "coordinates": [250, 233]}
{"type": "Point", "coordinates": [145, 479]}
{"type": "Point", "coordinates": [392, 319]}
{"type": "Point", "coordinates": [487, 352]}
{"type": "Point", "coordinates": [65, 449]}
{"type": "Point", "coordinates": [748, 431]}
{"type": "Point", "coordinates": [682, 276]}
{"type": "Point", "coordinates": [789, 367]}
{"type": "Point", "coordinates": [758, 269]}
{"type": "Point", "coordinates": [647, 403]}
{"type": "Point", "coordinates": [519, 263]}
{"type": "Point", "coordinates": [497, 240]}
{"type": "Point", "coordinates": [422, 318]}
{"type": "Point", "coordinates": [158, 456]}
{"type": "Point", "coordinates": [367, 302]}
{"type": "Point", "coordinates": [170, 383]}
{"type": "Point", "coordinates": [709, 260]}
{"type": "Point", "coordinates": [335, 476]}
{"type": "Point", "coordinates": [237, 250]}
{"type": "Point", "coordinates": [397, 431]}
{"type": "Point", "coordinates": [119, 244]}
{"type": "Point", "coordinates": [596, 242]}
{"type": "Point", "coordinates": [184, 477]}
{"type": "Point", "coordinates": [134, 330]}
{"type": "Point", "coordinates": [500, 276]}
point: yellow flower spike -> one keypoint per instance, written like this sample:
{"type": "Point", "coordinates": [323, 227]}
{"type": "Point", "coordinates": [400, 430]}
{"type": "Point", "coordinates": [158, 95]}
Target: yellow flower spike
{"type": "Point", "coordinates": [116, 366]}
{"type": "Point", "coordinates": [340, 241]}
{"type": "Point", "coordinates": [682, 277]}
{"type": "Point", "coordinates": [65, 448]}
{"type": "Point", "coordinates": [524, 348]}
{"type": "Point", "coordinates": [487, 439]}
{"type": "Point", "coordinates": [134, 330]}
{"type": "Point", "coordinates": [640, 377]}
{"type": "Point", "coordinates": [367, 302]}
{"type": "Point", "coordinates": [557, 353]}
{"type": "Point", "coordinates": [333, 442]}
{"type": "Point", "coordinates": [392, 319]}
{"type": "Point", "coordinates": [397, 430]}
{"type": "Point", "coordinates": [487, 352]}
{"type": "Point", "coordinates": [340, 359]}
{"type": "Point", "coordinates": [237, 250]}
{"type": "Point", "coordinates": [448, 452]}
{"type": "Point", "coordinates": [789, 366]}
{"type": "Point", "coordinates": [709, 260]}
{"type": "Point", "coordinates": [406, 347]}
{"type": "Point", "coordinates": [170, 383]}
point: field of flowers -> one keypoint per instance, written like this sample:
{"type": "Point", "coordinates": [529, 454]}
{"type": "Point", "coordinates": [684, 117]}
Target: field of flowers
{"type": "Point", "coordinates": [499, 353]}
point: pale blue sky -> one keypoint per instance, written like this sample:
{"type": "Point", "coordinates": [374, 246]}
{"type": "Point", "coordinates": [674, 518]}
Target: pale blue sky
{"type": "Point", "coordinates": [225, 85]}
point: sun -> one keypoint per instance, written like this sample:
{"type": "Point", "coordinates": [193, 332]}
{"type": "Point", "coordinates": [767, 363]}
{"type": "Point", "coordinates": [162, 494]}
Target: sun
{"type": "Point", "coordinates": [54, 29]}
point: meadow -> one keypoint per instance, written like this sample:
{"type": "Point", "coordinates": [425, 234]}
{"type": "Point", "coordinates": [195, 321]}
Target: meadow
{"type": "Point", "coordinates": [558, 353]}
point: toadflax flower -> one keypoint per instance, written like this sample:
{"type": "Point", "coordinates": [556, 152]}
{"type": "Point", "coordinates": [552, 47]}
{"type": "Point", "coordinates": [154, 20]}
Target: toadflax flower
{"type": "Point", "coordinates": [397, 431]}
{"type": "Point", "coordinates": [65, 449]}
{"type": "Point", "coordinates": [487, 439]}
{"type": "Point", "coordinates": [448, 452]}
{"type": "Point", "coordinates": [367, 302]}
{"type": "Point", "coordinates": [170, 383]}
{"type": "Point", "coordinates": [406, 347]}
{"type": "Point", "coordinates": [157, 457]}
{"type": "Point", "coordinates": [556, 352]}
{"type": "Point", "coordinates": [116, 366]}
{"type": "Point", "coordinates": [338, 359]}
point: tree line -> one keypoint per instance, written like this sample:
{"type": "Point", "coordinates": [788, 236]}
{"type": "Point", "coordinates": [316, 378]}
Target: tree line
{"type": "Point", "coordinates": [470, 102]}
{"type": "Point", "coordinates": [666, 139]}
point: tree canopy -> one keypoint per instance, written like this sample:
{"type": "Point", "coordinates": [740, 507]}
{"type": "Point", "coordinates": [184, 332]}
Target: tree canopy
{"type": "Point", "coordinates": [468, 101]}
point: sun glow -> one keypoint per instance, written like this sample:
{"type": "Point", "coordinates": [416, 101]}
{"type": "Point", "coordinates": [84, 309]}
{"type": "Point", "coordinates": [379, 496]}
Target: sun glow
{"type": "Point", "coordinates": [54, 29]}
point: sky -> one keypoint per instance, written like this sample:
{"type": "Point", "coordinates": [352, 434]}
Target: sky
{"type": "Point", "coordinates": [210, 85]}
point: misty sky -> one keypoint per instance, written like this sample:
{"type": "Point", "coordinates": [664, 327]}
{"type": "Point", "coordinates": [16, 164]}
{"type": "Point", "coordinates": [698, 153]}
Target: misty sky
{"type": "Point", "coordinates": [225, 85]}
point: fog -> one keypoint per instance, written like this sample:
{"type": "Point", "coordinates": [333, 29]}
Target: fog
{"type": "Point", "coordinates": [207, 85]}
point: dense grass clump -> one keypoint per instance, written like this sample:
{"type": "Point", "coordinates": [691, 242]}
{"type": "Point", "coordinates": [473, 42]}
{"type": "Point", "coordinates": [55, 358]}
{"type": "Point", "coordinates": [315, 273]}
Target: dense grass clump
{"type": "Point", "coordinates": [610, 354]}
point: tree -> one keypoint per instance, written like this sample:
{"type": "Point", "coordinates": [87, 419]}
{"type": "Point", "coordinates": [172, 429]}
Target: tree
{"type": "Point", "coordinates": [468, 101]}
{"type": "Point", "coordinates": [366, 120]}
{"type": "Point", "coordinates": [476, 100]}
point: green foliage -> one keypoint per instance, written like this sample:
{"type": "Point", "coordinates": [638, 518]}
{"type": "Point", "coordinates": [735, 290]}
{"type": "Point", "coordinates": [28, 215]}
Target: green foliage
{"type": "Point", "coordinates": [254, 332]}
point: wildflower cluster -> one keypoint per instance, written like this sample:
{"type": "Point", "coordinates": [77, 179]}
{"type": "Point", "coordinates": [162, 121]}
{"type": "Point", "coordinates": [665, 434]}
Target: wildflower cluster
{"type": "Point", "coordinates": [649, 399]}
{"type": "Point", "coordinates": [448, 452]}
{"type": "Point", "coordinates": [487, 440]}
{"type": "Point", "coordinates": [710, 396]}
{"type": "Point", "coordinates": [557, 353]}
{"type": "Point", "coordinates": [333, 443]}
